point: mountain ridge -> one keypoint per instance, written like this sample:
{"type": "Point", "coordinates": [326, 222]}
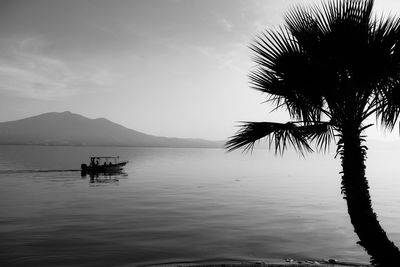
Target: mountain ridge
{"type": "Point", "coordinates": [67, 128]}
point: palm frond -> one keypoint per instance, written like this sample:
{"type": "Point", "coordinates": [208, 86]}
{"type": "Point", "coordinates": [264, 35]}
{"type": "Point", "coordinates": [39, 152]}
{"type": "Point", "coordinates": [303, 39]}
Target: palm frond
{"type": "Point", "coordinates": [382, 65]}
{"type": "Point", "coordinates": [303, 25]}
{"type": "Point", "coordinates": [285, 73]}
{"type": "Point", "coordinates": [282, 135]}
{"type": "Point", "coordinates": [283, 95]}
{"type": "Point", "coordinates": [310, 25]}
{"type": "Point", "coordinates": [322, 133]}
{"type": "Point", "coordinates": [385, 40]}
{"type": "Point", "coordinates": [279, 136]}
{"type": "Point", "coordinates": [334, 34]}
{"type": "Point", "coordinates": [388, 105]}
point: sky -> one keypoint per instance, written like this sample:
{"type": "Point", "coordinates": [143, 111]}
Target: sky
{"type": "Point", "coordinates": [176, 68]}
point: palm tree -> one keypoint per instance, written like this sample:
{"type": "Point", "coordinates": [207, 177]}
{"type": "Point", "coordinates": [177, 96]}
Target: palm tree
{"type": "Point", "coordinates": [331, 66]}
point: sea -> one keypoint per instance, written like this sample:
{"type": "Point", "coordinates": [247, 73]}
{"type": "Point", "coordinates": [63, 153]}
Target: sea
{"type": "Point", "coordinates": [183, 205]}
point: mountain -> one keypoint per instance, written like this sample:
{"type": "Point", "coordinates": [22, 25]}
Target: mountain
{"type": "Point", "coordinates": [67, 128]}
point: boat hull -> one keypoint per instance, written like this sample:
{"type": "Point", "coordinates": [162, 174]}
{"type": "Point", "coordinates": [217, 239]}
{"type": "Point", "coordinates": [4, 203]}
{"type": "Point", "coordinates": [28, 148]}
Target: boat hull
{"type": "Point", "coordinates": [112, 168]}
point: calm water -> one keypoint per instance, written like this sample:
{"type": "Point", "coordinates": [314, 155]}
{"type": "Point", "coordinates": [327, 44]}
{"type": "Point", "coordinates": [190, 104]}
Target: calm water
{"type": "Point", "coordinates": [180, 205]}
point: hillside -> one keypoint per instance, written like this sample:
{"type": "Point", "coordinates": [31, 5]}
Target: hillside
{"type": "Point", "coordinates": [67, 128]}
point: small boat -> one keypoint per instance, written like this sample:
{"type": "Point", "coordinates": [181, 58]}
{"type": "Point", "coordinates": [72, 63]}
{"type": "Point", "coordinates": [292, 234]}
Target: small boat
{"type": "Point", "coordinates": [103, 165]}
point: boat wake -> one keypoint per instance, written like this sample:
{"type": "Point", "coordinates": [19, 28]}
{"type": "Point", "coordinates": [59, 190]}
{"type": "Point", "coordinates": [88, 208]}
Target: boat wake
{"type": "Point", "coordinates": [37, 171]}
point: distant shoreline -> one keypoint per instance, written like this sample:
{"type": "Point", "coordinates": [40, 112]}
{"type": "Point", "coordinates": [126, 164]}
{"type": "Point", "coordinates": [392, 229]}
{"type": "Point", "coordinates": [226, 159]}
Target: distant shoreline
{"type": "Point", "coordinates": [120, 146]}
{"type": "Point", "coordinates": [69, 129]}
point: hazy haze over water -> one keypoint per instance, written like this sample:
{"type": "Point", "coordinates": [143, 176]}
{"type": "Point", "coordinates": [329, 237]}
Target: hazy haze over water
{"type": "Point", "coordinates": [181, 205]}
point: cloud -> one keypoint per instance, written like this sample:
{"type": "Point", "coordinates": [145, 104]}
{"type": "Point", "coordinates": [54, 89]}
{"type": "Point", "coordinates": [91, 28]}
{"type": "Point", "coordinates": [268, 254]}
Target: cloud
{"type": "Point", "coordinates": [103, 77]}
{"type": "Point", "coordinates": [25, 82]}
{"type": "Point", "coordinates": [232, 58]}
{"type": "Point", "coordinates": [227, 25]}
{"type": "Point", "coordinates": [27, 71]}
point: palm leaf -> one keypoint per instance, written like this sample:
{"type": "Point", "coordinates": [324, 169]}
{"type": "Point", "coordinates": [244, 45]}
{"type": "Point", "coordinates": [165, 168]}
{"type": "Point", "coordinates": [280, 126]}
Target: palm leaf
{"type": "Point", "coordinates": [386, 40]}
{"type": "Point", "coordinates": [284, 72]}
{"type": "Point", "coordinates": [322, 133]}
{"type": "Point", "coordinates": [388, 105]}
{"type": "Point", "coordinates": [279, 136]}
{"type": "Point", "coordinates": [282, 135]}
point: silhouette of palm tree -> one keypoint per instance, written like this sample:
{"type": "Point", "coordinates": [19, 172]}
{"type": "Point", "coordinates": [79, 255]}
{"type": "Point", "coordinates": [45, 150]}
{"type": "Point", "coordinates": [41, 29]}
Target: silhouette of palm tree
{"type": "Point", "coordinates": [331, 66]}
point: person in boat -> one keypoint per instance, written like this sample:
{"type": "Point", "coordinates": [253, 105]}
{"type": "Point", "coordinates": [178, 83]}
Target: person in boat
{"type": "Point", "coordinates": [105, 163]}
{"type": "Point", "coordinates": [97, 162]}
{"type": "Point", "coordinates": [91, 162]}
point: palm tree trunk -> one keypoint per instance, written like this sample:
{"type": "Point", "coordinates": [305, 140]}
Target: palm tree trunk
{"type": "Point", "coordinates": [355, 189]}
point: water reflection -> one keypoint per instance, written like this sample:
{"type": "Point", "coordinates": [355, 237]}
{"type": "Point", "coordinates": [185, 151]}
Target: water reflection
{"type": "Point", "coordinates": [177, 205]}
{"type": "Point", "coordinates": [104, 177]}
